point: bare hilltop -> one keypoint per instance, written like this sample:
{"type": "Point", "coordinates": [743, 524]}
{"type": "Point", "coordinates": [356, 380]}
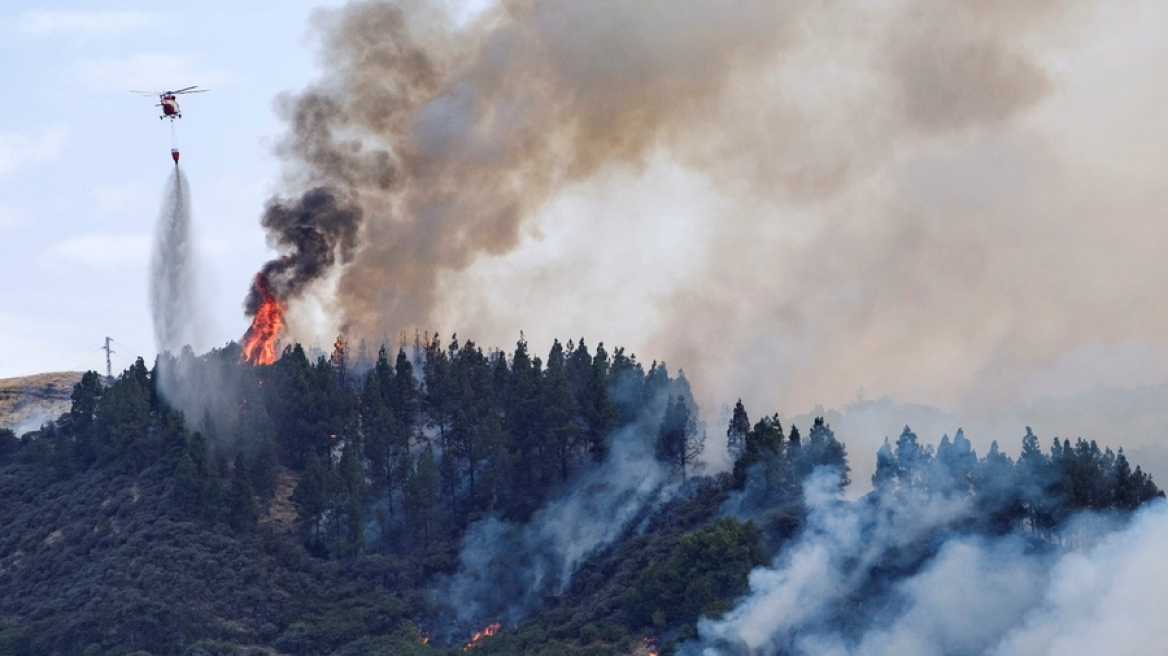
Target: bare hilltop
{"type": "Point", "coordinates": [29, 401]}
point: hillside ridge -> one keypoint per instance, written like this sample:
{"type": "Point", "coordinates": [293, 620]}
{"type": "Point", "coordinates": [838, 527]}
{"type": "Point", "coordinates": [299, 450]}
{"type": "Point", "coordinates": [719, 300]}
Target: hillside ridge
{"type": "Point", "coordinates": [28, 401]}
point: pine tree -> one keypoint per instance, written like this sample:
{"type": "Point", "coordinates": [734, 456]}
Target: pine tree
{"type": "Point", "coordinates": [577, 367]}
{"type": "Point", "coordinates": [494, 455]}
{"type": "Point", "coordinates": [600, 414]}
{"type": "Point", "coordinates": [381, 439]}
{"type": "Point", "coordinates": [736, 431]}
{"type": "Point", "coordinates": [563, 435]}
{"type": "Point", "coordinates": [885, 476]}
{"type": "Point", "coordinates": [523, 416]}
{"type": "Point", "coordinates": [763, 446]}
{"type": "Point", "coordinates": [656, 382]}
{"type": "Point", "coordinates": [471, 387]}
{"type": "Point", "coordinates": [265, 470]}
{"type": "Point", "coordinates": [198, 487]}
{"type": "Point", "coordinates": [241, 508]}
{"type": "Point", "coordinates": [678, 440]}
{"type": "Point", "coordinates": [347, 510]}
{"type": "Point", "coordinates": [625, 381]}
{"type": "Point", "coordinates": [287, 392]}
{"type": "Point", "coordinates": [311, 497]}
{"type": "Point", "coordinates": [402, 396]}
{"type": "Point", "coordinates": [82, 413]}
{"type": "Point", "coordinates": [821, 449]}
{"type": "Point", "coordinates": [1125, 494]}
{"type": "Point", "coordinates": [9, 445]}
{"type": "Point", "coordinates": [1034, 476]}
{"type": "Point", "coordinates": [422, 495]}
{"type": "Point", "coordinates": [954, 466]}
{"type": "Point", "coordinates": [122, 422]}
{"type": "Point", "coordinates": [911, 459]}
{"type": "Point", "coordinates": [998, 494]}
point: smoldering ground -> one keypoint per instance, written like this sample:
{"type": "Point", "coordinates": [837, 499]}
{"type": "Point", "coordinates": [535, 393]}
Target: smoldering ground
{"type": "Point", "coordinates": [932, 200]}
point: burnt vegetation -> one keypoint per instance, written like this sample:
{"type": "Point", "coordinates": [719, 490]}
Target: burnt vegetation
{"type": "Point", "coordinates": [314, 514]}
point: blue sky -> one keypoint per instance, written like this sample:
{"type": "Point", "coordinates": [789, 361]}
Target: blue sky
{"type": "Point", "coordinates": [83, 162]}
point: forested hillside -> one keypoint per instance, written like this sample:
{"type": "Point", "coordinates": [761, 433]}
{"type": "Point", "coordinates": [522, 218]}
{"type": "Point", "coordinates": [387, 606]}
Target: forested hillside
{"type": "Point", "coordinates": [405, 503]}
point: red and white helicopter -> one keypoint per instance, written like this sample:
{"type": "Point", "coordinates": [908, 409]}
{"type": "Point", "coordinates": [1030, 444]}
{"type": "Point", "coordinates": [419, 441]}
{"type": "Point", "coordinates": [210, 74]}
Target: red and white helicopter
{"type": "Point", "coordinates": [170, 109]}
{"type": "Point", "coordinates": [169, 103]}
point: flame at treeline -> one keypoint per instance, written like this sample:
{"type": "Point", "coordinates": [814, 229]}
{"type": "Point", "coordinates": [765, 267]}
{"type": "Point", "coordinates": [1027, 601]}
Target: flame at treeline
{"type": "Point", "coordinates": [259, 342]}
{"type": "Point", "coordinates": [490, 630]}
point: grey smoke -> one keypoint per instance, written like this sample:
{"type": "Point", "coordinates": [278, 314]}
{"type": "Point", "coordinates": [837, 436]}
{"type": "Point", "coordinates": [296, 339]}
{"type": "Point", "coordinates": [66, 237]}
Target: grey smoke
{"type": "Point", "coordinates": [906, 196]}
{"type": "Point", "coordinates": [452, 138]}
{"type": "Point", "coordinates": [508, 570]}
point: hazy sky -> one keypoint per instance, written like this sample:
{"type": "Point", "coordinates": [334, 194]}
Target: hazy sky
{"type": "Point", "coordinates": [950, 204]}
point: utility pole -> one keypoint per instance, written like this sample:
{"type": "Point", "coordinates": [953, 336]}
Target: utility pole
{"type": "Point", "coordinates": [109, 370]}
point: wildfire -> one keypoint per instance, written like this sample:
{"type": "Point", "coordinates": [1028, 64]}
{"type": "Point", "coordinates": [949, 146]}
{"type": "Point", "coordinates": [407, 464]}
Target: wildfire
{"type": "Point", "coordinates": [259, 342]}
{"type": "Point", "coordinates": [491, 630]}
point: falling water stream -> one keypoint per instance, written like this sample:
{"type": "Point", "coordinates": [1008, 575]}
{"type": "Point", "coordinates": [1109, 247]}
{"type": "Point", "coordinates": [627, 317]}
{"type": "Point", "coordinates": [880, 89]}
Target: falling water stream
{"type": "Point", "coordinates": [173, 296]}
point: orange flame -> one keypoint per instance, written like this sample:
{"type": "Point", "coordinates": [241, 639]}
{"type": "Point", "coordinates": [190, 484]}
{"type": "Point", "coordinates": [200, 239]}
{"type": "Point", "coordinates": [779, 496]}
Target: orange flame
{"type": "Point", "coordinates": [259, 342]}
{"type": "Point", "coordinates": [491, 630]}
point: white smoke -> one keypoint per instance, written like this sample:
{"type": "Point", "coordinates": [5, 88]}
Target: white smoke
{"type": "Point", "coordinates": [1107, 599]}
{"type": "Point", "coordinates": [842, 541]}
{"type": "Point", "coordinates": [998, 596]}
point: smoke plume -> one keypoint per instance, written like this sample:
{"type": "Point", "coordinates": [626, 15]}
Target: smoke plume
{"type": "Point", "coordinates": [451, 139]}
{"type": "Point", "coordinates": [313, 233]}
{"type": "Point", "coordinates": [174, 299]}
{"type": "Point", "coordinates": [826, 191]}
{"type": "Point", "coordinates": [508, 570]}
{"type": "Point", "coordinates": [975, 595]}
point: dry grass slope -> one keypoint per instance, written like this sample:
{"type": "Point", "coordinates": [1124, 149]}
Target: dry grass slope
{"type": "Point", "coordinates": [29, 401]}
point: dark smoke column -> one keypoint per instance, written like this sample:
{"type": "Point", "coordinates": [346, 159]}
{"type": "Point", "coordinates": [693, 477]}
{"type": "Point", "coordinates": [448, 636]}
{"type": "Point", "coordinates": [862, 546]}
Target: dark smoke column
{"type": "Point", "coordinates": [451, 138]}
{"type": "Point", "coordinates": [313, 233]}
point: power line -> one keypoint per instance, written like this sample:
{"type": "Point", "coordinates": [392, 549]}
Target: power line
{"type": "Point", "coordinates": [72, 360]}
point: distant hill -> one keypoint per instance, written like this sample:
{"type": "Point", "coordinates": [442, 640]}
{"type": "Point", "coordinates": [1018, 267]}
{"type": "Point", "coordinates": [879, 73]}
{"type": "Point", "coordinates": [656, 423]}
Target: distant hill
{"type": "Point", "coordinates": [29, 401]}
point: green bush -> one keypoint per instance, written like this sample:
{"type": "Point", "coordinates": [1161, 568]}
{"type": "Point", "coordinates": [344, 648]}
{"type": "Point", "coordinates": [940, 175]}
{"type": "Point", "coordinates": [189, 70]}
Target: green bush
{"type": "Point", "coordinates": [701, 576]}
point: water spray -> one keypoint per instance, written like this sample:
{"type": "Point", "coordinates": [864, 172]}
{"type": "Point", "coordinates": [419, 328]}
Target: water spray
{"type": "Point", "coordinates": [173, 292]}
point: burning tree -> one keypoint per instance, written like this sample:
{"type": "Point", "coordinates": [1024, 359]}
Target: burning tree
{"type": "Point", "coordinates": [313, 232]}
{"type": "Point", "coordinates": [259, 342]}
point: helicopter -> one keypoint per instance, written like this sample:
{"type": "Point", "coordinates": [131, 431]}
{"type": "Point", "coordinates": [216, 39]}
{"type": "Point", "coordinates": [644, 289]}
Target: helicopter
{"type": "Point", "coordinates": [168, 102]}
{"type": "Point", "coordinates": [170, 109]}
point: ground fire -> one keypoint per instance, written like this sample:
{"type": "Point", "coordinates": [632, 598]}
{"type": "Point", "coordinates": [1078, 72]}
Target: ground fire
{"type": "Point", "coordinates": [490, 630]}
{"type": "Point", "coordinates": [259, 342]}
